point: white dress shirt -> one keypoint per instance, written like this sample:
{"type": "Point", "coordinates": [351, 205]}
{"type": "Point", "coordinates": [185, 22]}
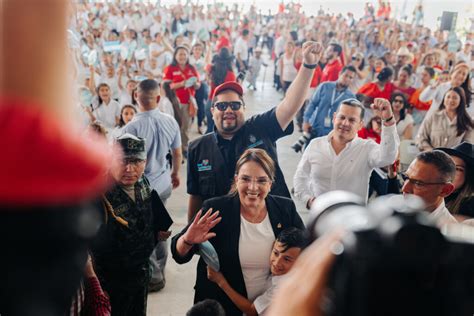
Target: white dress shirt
{"type": "Point", "coordinates": [321, 170]}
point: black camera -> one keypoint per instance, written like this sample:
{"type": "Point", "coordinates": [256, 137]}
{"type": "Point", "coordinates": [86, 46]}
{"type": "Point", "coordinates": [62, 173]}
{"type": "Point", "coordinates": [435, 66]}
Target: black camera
{"type": "Point", "coordinates": [394, 260]}
{"type": "Point", "coordinates": [241, 76]}
{"type": "Point", "coordinates": [301, 142]}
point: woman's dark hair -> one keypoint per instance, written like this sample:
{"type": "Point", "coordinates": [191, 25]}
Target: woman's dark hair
{"type": "Point", "coordinates": [408, 68]}
{"type": "Point", "coordinates": [134, 100]}
{"type": "Point", "coordinates": [176, 50]}
{"type": "Point", "coordinates": [126, 106]}
{"type": "Point", "coordinates": [171, 95]}
{"type": "Point", "coordinates": [464, 121]}
{"type": "Point", "coordinates": [385, 74]}
{"type": "Point", "coordinates": [466, 85]}
{"type": "Point", "coordinates": [405, 103]}
{"type": "Point", "coordinates": [292, 238]}
{"type": "Point", "coordinates": [430, 71]}
{"type": "Point", "coordinates": [221, 64]}
{"type": "Point", "coordinates": [465, 191]}
{"type": "Point", "coordinates": [101, 85]}
{"type": "Point", "coordinates": [368, 126]}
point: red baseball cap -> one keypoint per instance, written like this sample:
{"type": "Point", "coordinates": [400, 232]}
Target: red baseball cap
{"type": "Point", "coordinates": [229, 85]}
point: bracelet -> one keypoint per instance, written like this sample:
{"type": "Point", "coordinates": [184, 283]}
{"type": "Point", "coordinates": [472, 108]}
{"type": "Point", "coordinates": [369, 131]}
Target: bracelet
{"type": "Point", "coordinates": [187, 242]}
{"type": "Point", "coordinates": [389, 119]}
{"type": "Point", "coordinates": [305, 65]}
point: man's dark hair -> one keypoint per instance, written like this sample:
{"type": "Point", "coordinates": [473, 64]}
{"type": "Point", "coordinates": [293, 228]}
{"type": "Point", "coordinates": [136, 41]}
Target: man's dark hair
{"type": "Point", "coordinates": [349, 67]}
{"type": "Point", "coordinates": [148, 85]}
{"type": "Point", "coordinates": [206, 308]}
{"type": "Point", "coordinates": [337, 48]}
{"type": "Point", "coordinates": [442, 162]}
{"type": "Point", "coordinates": [292, 238]}
{"type": "Point", "coordinates": [245, 32]}
{"type": "Point", "coordinates": [355, 104]}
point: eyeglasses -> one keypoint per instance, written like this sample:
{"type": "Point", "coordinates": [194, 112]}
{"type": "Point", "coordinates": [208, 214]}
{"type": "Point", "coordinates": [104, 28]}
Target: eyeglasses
{"type": "Point", "coordinates": [132, 161]}
{"type": "Point", "coordinates": [234, 105]}
{"type": "Point", "coordinates": [420, 184]}
{"type": "Point", "coordinates": [262, 181]}
{"type": "Point", "coordinates": [356, 58]}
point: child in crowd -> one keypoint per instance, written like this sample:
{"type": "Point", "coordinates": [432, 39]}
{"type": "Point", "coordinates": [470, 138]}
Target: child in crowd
{"type": "Point", "coordinates": [286, 249]}
{"type": "Point", "coordinates": [255, 64]}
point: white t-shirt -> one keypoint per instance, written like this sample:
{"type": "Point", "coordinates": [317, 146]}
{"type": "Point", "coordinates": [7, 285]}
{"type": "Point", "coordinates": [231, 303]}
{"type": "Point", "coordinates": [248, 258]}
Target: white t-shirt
{"type": "Point", "coordinates": [106, 113]}
{"type": "Point", "coordinates": [241, 48]}
{"type": "Point", "coordinates": [263, 301]}
{"type": "Point", "coordinates": [255, 246]}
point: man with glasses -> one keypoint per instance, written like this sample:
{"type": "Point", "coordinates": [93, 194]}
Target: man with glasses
{"type": "Point", "coordinates": [341, 160]}
{"type": "Point", "coordinates": [317, 118]}
{"type": "Point", "coordinates": [430, 177]}
{"type": "Point", "coordinates": [126, 240]}
{"type": "Point", "coordinates": [212, 157]}
{"type": "Point", "coordinates": [162, 135]}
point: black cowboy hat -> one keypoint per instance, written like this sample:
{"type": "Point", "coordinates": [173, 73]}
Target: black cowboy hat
{"type": "Point", "coordinates": [465, 151]}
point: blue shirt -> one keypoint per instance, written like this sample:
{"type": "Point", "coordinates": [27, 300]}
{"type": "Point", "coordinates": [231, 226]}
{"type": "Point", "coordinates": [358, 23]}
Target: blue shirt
{"type": "Point", "coordinates": [161, 134]}
{"type": "Point", "coordinates": [322, 106]}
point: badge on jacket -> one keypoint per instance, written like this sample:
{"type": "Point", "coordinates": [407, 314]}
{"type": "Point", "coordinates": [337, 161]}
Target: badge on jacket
{"type": "Point", "coordinates": [204, 165]}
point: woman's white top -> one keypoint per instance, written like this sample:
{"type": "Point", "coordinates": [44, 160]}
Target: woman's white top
{"type": "Point", "coordinates": [403, 124]}
{"type": "Point", "coordinates": [435, 95]}
{"type": "Point", "coordinates": [106, 113]}
{"type": "Point", "coordinates": [255, 246]}
{"type": "Point", "coordinates": [289, 71]}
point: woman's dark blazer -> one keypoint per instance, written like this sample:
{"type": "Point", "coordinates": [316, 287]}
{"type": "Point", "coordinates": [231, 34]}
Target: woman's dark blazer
{"type": "Point", "coordinates": [282, 214]}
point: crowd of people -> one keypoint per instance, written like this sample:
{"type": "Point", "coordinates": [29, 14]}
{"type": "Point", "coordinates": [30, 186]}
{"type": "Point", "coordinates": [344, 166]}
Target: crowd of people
{"type": "Point", "coordinates": [359, 91]}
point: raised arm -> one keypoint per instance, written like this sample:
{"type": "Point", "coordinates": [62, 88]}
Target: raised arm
{"type": "Point", "coordinates": [296, 93]}
{"type": "Point", "coordinates": [384, 154]}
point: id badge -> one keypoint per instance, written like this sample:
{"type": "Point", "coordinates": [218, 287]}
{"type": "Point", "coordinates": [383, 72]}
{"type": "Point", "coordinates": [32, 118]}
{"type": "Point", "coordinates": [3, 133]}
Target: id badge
{"type": "Point", "coordinates": [327, 122]}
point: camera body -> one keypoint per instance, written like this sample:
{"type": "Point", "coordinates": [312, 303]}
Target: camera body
{"type": "Point", "coordinates": [395, 260]}
{"type": "Point", "coordinates": [301, 142]}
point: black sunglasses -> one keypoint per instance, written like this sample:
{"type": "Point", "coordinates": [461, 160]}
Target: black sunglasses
{"type": "Point", "coordinates": [234, 105]}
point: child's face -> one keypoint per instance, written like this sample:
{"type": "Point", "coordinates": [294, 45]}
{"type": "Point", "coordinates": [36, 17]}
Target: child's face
{"type": "Point", "coordinates": [281, 261]}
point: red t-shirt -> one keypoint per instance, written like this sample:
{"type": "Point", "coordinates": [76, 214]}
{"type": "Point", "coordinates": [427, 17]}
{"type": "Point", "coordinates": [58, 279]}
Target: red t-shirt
{"type": "Point", "coordinates": [175, 74]}
{"type": "Point", "coordinates": [408, 92]}
{"type": "Point", "coordinates": [223, 41]}
{"type": "Point", "coordinates": [331, 71]}
{"type": "Point", "coordinates": [44, 162]}
{"type": "Point", "coordinates": [372, 90]}
{"type": "Point", "coordinates": [230, 76]}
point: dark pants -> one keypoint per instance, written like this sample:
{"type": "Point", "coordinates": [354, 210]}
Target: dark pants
{"type": "Point", "coordinates": [201, 97]}
{"type": "Point", "coordinates": [43, 255]}
{"type": "Point", "coordinates": [130, 302]}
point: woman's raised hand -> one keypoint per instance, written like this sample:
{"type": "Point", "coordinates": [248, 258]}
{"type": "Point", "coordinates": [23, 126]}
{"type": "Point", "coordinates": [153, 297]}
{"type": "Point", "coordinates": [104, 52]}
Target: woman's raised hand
{"type": "Point", "coordinates": [198, 231]}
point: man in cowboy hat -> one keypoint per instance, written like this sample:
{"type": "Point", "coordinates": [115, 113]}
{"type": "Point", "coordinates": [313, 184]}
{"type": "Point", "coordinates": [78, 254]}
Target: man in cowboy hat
{"type": "Point", "coordinates": [404, 57]}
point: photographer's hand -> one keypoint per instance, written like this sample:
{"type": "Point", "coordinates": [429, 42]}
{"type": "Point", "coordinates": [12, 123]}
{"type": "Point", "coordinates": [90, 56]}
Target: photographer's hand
{"type": "Point", "coordinates": [302, 291]}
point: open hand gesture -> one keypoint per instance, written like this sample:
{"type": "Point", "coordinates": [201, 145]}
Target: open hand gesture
{"type": "Point", "coordinates": [312, 52]}
{"type": "Point", "coordinates": [198, 231]}
{"type": "Point", "coordinates": [382, 108]}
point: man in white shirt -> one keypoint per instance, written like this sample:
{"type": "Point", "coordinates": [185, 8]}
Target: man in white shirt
{"type": "Point", "coordinates": [341, 160]}
{"type": "Point", "coordinates": [430, 177]}
{"type": "Point", "coordinates": [241, 50]}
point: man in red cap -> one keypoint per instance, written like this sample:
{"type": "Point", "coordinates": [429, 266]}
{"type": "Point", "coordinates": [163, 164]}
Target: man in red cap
{"type": "Point", "coordinates": [212, 157]}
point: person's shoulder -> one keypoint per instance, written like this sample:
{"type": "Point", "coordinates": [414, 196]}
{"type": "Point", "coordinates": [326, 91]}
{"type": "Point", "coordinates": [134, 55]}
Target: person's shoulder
{"type": "Point", "coordinates": [200, 140]}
